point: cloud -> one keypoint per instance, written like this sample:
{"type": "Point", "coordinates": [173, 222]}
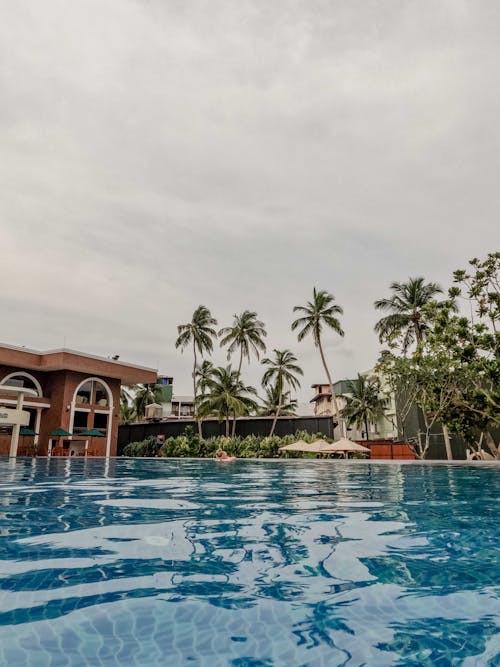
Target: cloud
{"type": "Point", "coordinates": [158, 155]}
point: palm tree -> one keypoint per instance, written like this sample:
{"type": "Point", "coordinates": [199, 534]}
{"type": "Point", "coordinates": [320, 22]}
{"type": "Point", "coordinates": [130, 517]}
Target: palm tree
{"type": "Point", "coordinates": [127, 413]}
{"type": "Point", "coordinates": [318, 313]}
{"type": "Point", "coordinates": [282, 371]}
{"type": "Point", "coordinates": [406, 309]}
{"type": "Point", "coordinates": [365, 404]}
{"type": "Point", "coordinates": [199, 333]}
{"type": "Point", "coordinates": [204, 373]}
{"type": "Point", "coordinates": [127, 393]}
{"type": "Point", "coordinates": [145, 394]}
{"type": "Point", "coordinates": [227, 397]}
{"type": "Point", "coordinates": [246, 334]}
{"type": "Point", "coordinates": [271, 403]}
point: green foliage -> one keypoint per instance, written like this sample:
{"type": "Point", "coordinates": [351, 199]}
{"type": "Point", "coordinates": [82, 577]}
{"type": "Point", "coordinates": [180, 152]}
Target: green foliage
{"type": "Point", "coordinates": [148, 447]}
{"type": "Point", "coordinates": [427, 381]}
{"type": "Point", "coordinates": [199, 332]}
{"type": "Point", "coordinates": [191, 445]}
{"type": "Point", "coordinates": [227, 396]}
{"type": "Point", "coordinates": [406, 322]}
{"type": "Point", "coordinates": [482, 286]}
{"type": "Point", "coordinates": [282, 371]}
{"type": "Point", "coordinates": [320, 312]}
{"type": "Point", "coordinates": [274, 402]}
{"type": "Point", "coordinates": [246, 334]}
{"type": "Point", "coordinates": [366, 403]}
{"type": "Point", "coordinates": [128, 413]}
{"type": "Point", "coordinates": [144, 394]}
{"type": "Point", "coordinates": [453, 375]}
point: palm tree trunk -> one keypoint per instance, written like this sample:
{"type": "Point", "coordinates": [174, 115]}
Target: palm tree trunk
{"type": "Point", "coordinates": [276, 415]}
{"type": "Point", "coordinates": [340, 420]}
{"type": "Point", "coordinates": [227, 426]}
{"type": "Point", "coordinates": [418, 331]}
{"type": "Point", "coordinates": [366, 428]}
{"type": "Point", "coordinates": [194, 391]}
{"type": "Point", "coordinates": [447, 443]}
{"type": "Point", "coordinates": [241, 362]}
{"type": "Point", "coordinates": [233, 433]}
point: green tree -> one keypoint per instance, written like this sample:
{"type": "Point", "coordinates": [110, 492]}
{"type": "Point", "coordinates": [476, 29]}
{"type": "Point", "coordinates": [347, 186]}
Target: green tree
{"type": "Point", "coordinates": [199, 333]}
{"type": "Point", "coordinates": [271, 403]}
{"type": "Point", "coordinates": [406, 322]}
{"type": "Point", "coordinates": [471, 346]}
{"type": "Point", "coordinates": [128, 415]}
{"type": "Point", "coordinates": [281, 372]}
{"type": "Point", "coordinates": [227, 397]}
{"type": "Point", "coordinates": [246, 334]}
{"type": "Point", "coordinates": [482, 288]}
{"type": "Point", "coordinates": [319, 313]}
{"type": "Point", "coordinates": [427, 381]}
{"type": "Point", "coordinates": [144, 395]}
{"type": "Point", "coordinates": [365, 403]}
{"type": "Point", "coordinates": [204, 374]}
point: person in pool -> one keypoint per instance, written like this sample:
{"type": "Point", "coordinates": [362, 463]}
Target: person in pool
{"type": "Point", "coordinates": [221, 455]}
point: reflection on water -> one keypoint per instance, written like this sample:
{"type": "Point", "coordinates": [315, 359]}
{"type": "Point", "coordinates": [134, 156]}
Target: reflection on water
{"type": "Point", "coordinates": [144, 562]}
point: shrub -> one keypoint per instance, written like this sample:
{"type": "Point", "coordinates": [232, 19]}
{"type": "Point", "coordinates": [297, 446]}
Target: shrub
{"type": "Point", "coordinates": [189, 444]}
{"type": "Point", "coordinates": [148, 447]}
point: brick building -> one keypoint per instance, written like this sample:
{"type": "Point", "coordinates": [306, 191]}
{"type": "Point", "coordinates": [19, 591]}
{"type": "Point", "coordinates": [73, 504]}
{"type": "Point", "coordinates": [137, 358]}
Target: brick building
{"type": "Point", "coordinates": [75, 392]}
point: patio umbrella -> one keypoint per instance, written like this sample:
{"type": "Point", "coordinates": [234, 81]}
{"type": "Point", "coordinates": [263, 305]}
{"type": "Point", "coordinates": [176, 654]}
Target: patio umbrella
{"type": "Point", "coordinates": [344, 446]}
{"type": "Point", "coordinates": [322, 444]}
{"type": "Point", "coordinates": [301, 446]}
{"type": "Point", "coordinates": [92, 433]}
{"type": "Point", "coordinates": [59, 433]}
{"type": "Point", "coordinates": [24, 430]}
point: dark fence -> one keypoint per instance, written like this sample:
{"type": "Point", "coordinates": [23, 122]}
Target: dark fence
{"type": "Point", "coordinates": [260, 426]}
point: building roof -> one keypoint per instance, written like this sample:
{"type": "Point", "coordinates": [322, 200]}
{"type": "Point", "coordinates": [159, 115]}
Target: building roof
{"type": "Point", "coordinates": [73, 360]}
{"type": "Point", "coordinates": [325, 394]}
{"type": "Point", "coordinates": [182, 399]}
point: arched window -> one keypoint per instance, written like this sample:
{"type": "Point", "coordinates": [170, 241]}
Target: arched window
{"type": "Point", "coordinates": [93, 392]}
{"type": "Point", "coordinates": [22, 379]}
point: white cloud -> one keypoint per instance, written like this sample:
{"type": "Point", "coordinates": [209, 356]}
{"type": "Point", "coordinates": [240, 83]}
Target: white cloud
{"type": "Point", "coordinates": [158, 155]}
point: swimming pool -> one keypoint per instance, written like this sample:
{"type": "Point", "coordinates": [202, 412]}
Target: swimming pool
{"type": "Point", "coordinates": [142, 562]}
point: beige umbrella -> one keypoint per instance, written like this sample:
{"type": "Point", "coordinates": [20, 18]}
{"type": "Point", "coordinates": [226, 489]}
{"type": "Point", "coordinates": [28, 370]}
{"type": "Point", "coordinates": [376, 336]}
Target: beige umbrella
{"type": "Point", "coordinates": [322, 444]}
{"type": "Point", "coordinates": [301, 446]}
{"type": "Point", "coordinates": [345, 446]}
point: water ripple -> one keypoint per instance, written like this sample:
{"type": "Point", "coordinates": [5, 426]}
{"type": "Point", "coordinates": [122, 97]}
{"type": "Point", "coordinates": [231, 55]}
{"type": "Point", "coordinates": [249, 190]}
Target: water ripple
{"type": "Point", "coordinates": [146, 563]}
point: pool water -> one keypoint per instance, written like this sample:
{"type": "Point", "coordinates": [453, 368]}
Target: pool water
{"type": "Point", "coordinates": [143, 562]}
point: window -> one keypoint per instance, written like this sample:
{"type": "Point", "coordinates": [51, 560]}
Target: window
{"type": "Point", "coordinates": [93, 392]}
{"type": "Point", "coordinates": [80, 421]}
{"type": "Point", "coordinates": [23, 380]}
{"type": "Point", "coordinates": [84, 393]}
{"type": "Point", "coordinates": [100, 421]}
{"type": "Point", "coordinates": [100, 394]}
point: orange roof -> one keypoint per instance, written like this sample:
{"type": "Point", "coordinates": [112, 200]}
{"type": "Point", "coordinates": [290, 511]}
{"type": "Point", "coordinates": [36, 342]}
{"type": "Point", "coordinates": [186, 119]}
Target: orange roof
{"type": "Point", "coordinates": [72, 360]}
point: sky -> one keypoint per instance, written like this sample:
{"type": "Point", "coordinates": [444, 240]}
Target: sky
{"type": "Point", "coordinates": [160, 154]}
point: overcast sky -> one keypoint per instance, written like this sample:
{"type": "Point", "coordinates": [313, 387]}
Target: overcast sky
{"type": "Point", "coordinates": [160, 154]}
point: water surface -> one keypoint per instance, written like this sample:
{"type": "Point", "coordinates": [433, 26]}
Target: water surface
{"type": "Point", "coordinates": [141, 562]}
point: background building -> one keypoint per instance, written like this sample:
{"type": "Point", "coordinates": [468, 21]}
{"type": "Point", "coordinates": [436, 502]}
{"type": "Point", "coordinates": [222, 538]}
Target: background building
{"type": "Point", "coordinates": [385, 428]}
{"type": "Point", "coordinates": [75, 392]}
